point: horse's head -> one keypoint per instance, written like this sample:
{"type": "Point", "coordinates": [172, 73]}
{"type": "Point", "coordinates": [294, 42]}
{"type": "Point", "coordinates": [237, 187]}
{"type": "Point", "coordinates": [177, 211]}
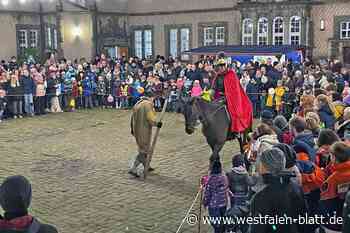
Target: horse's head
{"type": "Point", "coordinates": [190, 112]}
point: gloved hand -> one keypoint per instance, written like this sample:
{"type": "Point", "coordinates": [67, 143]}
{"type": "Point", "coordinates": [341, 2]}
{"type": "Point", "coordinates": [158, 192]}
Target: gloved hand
{"type": "Point", "coordinates": [159, 125]}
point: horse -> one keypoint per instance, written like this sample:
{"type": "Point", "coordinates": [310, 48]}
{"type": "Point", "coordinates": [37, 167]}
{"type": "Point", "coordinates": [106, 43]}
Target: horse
{"type": "Point", "coordinates": [215, 121]}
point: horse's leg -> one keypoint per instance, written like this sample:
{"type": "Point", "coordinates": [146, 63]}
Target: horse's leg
{"type": "Point", "coordinates": [216, 152]}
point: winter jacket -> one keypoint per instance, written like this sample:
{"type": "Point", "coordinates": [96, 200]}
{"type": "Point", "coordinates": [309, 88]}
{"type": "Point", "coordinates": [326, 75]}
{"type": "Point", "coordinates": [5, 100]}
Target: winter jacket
{"type": "Point", "coordinates": [333, 193]}
{"type": "Point", "coordinates": [239, 180]}
{"type": "Point", "coordinates": [87, 87]}
{"type": "Point", "coordinates": [34, 226]}
{"type": "Point", "coordinates": [39, 85]}
{"type": "Point", "coordinates": [304, 142]}
{"type": "Point", "coordinates": [279, 197]}
{"type": "Point", "coordinates": [327, 116]}
{"type": "Point", "coordinates": [101, 87]}
{"type": "Point", "coordinates": [253, 92]}
{"type": "Point", "coordinates": [28, 85]}
{"type": "Point", "coordinates": [215, 194]}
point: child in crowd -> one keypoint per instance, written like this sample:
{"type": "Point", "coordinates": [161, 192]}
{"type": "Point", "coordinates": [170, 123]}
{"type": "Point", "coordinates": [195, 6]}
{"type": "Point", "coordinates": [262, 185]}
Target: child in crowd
{"type": "Point", "coordinates": [124, 88]}
{"type": "Point", "coordinates": [196, 90]}
{"type": "Point", "coordinates": [101, 92]}
{"type": "Point", "coordinates": [279, 93]}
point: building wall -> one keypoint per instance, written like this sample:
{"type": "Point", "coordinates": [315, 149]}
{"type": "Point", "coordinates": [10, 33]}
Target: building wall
{"type": "Point", "coordinates": [8, 36]}
{"type": "Point", "coordinates": [147, 6]}
{"type": "Point", "coordinates": [76, 46]}
{"type": "Point", "coordinates": [327, 12]}
{"type": "Point", "coordinates": [160, 21]}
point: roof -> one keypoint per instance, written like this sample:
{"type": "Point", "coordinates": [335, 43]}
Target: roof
{"type": "Point", "coordinates": [246, 49]}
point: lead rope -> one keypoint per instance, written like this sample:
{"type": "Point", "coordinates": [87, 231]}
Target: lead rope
{"type": "Point", "coordinates": [189, 210]}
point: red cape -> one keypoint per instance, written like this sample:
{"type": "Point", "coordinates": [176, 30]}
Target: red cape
{"type": "Point", "coordinates": [238, 103]}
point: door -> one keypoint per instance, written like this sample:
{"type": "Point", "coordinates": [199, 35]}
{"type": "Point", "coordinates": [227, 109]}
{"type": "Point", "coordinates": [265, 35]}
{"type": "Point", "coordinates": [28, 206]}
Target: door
{"type": "Point", "coordinates": [346, 54]}
{"type": "Point", "coordinates": [123, 51]}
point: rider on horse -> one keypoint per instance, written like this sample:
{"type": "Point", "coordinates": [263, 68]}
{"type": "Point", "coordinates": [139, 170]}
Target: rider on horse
{"type": "Point", "coordinates": [226, 84]}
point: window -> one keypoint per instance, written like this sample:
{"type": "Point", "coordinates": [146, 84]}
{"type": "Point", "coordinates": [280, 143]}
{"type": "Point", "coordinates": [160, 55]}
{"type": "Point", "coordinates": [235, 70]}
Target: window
{"type": "Point", "coordinates": [22, 41]}
{"type": "Point", "coordinates": [295, 30]}
{"type": "Point", "coordinates": [278, 31]}
{"type": "Point", "coordinates": [263, 29]}
{"type": "Point", "coordinates": [55, 40]}
{"type": "Point", "coordinates": [208, 36]}
{"type": "Point", "coordinates": [33, 38]}
{"type": "Point", "coordinates": [247, 32]}
{"type": "Point", "coordinates": [138, 44]}
{"type": "Point", "coordinates": [185, 39]}
{"type": "Point", "coordinates": [220, 36]}
{"type": "Point", "coordinates": [48, 37]}
{"type": "Point", "coordinates": [173, 42]}
{"type": "Point", "coordinates": [345, 30]}
{"type": "Point", "coordinates": [143, 43]}
{"type": "Point", "coordinates": [148, 43]}
{"type": "Point", "coordinates": [185, 42]}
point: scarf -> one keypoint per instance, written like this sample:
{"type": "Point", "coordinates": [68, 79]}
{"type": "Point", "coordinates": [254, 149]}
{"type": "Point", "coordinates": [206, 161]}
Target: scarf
{"type": "Point", "coordinates": [16, 224]}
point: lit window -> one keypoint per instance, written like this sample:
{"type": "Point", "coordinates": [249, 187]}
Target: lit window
{"type": "Point", "coordinates": [185, 42]}
{"type": "Point", "coordinates": [148, 43]}
{"type": "Point", "coordinates": [345, 30]}
{"type": "Point", "coordinates": [173, 42]}
{"type": "Point", "coordinates": [295, 30]}
{"type": "Point", "coordinates": [278, 31]}
{"type": "Point", "coordinates": [138, 44]}
{"type": "Point", "coordinates": [55, 40]}
{"type": "Point", "coordinates": [48, 38]}
{"type": "Point", "coordinates": [220, 36]}
{"type": "Point", "coordinates": [208, 36]}
{"type": "Point", "coordinates": [263, 27]}
{"type": "Point", "coordinates": [247, 32]}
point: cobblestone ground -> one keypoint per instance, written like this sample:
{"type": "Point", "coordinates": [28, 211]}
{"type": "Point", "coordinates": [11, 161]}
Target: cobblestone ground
{"type": "Point", "coordinates": [78, 163]}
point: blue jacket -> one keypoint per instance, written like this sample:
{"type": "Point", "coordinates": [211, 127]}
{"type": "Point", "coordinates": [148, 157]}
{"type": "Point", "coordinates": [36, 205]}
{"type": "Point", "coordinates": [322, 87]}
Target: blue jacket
{"type": "Point", "coordinates": [305, 143]}
{"type": "Point", "coordinates": [28, 85]}
{"type": "Point", "coordinates": [87, 87]}
{"type": "Point", "coordinates": [253, 88]}
{"type": "Point", "coordinates": [327, 116]}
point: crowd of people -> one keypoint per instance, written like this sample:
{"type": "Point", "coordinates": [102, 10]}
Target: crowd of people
{"type": "Point", "coordinates": [297, 163]}
{"type": "Point", "coordinates": [301, 148]}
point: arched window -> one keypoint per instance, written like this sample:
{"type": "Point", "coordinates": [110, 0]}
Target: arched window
{"type": "Point", "coordinates": [278, 31]}
{"type": "Point", "coordinates": [263, 30]}
{"type": "Point", "coordinates": [295, 30]}
{"type": "Point", "coordinates": [247, 32]}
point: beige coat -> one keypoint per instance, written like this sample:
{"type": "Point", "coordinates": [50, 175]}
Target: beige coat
{"type": "Point", "coordinates": [142, 120]}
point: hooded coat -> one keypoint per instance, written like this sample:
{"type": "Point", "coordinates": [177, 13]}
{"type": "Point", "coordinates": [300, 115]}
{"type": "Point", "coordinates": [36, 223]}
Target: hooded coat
{"type": "Point", "coordinates": [15, 199]}
{"type": "Point", "coordinates": [142, 120]}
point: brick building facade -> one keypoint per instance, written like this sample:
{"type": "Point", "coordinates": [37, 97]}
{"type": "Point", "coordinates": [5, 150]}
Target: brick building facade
{"type": "Point", "coordinates": [82, 28]}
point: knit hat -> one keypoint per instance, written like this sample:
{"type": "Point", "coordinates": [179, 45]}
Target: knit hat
{"type": "Point", "coordinates": [289, 153]}
{"type": "Point", "coordinates": [280, 122]}
{"type": "Point", "coordinates": [15, 194]}
{"type": "Point", "coordinates": [238, 160]}
{"type": "Point", "coordinates": [273, 160]}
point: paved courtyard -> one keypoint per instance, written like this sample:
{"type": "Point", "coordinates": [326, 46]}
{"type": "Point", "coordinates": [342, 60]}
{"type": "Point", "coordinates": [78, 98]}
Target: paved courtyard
{"type": "Point", "coordinates": [78, 163]}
